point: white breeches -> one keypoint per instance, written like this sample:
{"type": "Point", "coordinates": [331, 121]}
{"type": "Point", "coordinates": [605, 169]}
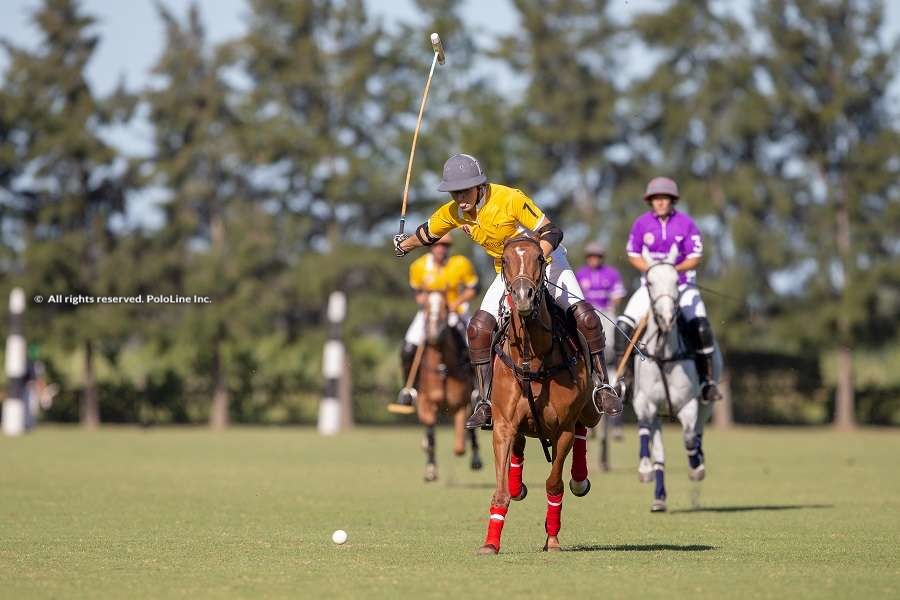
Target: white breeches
{"type": "Point", "coordinates": [558, 272]}
{"type": "Point", "coordinates": [415, 335]}
{"type": "Point", "coordinates": [689, 301]}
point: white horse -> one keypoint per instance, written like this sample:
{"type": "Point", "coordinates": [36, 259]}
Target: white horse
{"type": "Point", "coordinates": [667, 380]}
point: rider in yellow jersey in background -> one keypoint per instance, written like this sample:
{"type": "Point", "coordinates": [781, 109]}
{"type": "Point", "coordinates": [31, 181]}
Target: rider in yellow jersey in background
{"type": "Point", "coordinates": [491, 214]}
{"type": "Point", "coordinates": [437, 271]}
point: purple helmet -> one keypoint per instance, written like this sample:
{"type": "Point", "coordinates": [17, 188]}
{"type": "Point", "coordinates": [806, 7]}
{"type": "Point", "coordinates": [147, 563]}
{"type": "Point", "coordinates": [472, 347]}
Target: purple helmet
{"type": "Point", "coordinates": [662, 186]}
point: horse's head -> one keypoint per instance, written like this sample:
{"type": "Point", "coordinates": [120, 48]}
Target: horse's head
{"type": "Point", "coordinates": [522, 268]}
{"type": "Point", "coordinates": [662, 285]}
{"type": "Point", "coordinates": [435, 316]}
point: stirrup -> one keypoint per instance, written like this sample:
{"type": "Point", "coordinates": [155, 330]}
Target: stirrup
{"type": "Point", "coordinates": [709, 392]}
{"type": "Point", "coordinates": [479, 419]}
{"type": "Point", "coordinates": [596, 393]}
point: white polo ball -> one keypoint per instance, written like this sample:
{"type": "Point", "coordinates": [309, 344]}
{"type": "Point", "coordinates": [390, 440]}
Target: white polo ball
{"type": "Point", "coordinates": [339, 536]}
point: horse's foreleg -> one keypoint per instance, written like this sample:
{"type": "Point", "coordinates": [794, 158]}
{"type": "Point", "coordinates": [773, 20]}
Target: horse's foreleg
{"type": "Point", "coordinates": [692, 430]}
{"type": "Point", "coordinates": [580, 484]}
{"type": "Point", "coordinates": [459, 430]}
{"type": "Point", "coordinates": [659, 468]}
{"type": "Point", "coordinates": [562, 445]}
{"type": "Point", "coordinates": [503, 440]}
{"type": "Point", "coordinates": [645, 465]}
{"type": "Point", "coordinates": [428, 444]}
{"type": "Point", "coordinates": [475, 464]}
{"type": "Point", "coordinates": [517, 489]}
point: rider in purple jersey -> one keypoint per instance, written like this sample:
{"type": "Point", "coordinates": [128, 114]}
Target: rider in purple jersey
{"type": "Point", "coordinates": [655, 234]}
{"type": "Point", "coordinates": [601, 283]}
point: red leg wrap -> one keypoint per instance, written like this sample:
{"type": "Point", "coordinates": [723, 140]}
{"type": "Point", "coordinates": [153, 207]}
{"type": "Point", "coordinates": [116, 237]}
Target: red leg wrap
{"type": "Point", "coordinates": [579, 454]}
{"type": "Point", "coordinates": [495, 526]}
{"type": "Point", "coordinates": [516, 466]}
{"type": "Point", "coordinates": [554, 514]}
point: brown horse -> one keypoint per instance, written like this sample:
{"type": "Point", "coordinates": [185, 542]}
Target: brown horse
{"type": "Point", "coordinates": [445, 383]}
{"type": "Point", "coordinates": [541, 388]}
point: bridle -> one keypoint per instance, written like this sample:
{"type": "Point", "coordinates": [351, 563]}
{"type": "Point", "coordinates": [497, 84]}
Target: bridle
{"type": "Point", "coordinates": [537, 287]}
{"type": "Point", "coordinates": [654, 299]}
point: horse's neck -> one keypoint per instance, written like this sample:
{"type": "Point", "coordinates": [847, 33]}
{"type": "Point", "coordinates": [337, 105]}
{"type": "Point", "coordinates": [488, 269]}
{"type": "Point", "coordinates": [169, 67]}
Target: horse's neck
{"type": "Point", "coordinates": [661, 345]}
{"type": "Point", "coordinates": [538, 341]}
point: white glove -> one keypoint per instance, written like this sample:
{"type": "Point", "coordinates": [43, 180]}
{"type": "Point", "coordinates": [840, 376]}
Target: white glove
{"type": "Point", "coordinates": [399, 239]}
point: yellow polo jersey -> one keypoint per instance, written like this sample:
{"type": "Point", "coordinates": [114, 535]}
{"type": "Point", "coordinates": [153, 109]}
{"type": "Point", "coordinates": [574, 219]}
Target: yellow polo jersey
{"type": "Point", "coordinates": [502, 216]}
{"type": "Point", "coordinates": [428, 276]}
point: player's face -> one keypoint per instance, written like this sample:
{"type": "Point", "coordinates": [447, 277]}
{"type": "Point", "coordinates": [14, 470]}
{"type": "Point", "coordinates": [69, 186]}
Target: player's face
{"type": "Point", "coordinates": [595, 261]}
{"type": "Point", "coordinates": [466, 199]}
{"type": "Point", "coordinates": [440, 251]}
{"type": "Point", "coordinates": [662, 205]}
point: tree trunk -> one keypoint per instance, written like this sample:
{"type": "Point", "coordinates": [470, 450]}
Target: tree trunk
{"type": "Point", "coordinates": [844, 402]}
{"type": "Point", "coordinates": [844, 405]}
{"type": "Point", "coordinates": [722, 415]}
{"type": "Point", "coordinates": [218, 414]}
{"type": "Point", "coordinates": [90, 406]}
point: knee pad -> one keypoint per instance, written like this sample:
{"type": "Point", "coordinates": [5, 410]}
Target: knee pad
{"type": "Point", "coordinates": [588, 322]}
{"type": "Point", "coordinates": [621, 341]}
{"type": "Point", "coordinates": [480, 333]}
{"type": "Point", "coordinates": [703, 335]}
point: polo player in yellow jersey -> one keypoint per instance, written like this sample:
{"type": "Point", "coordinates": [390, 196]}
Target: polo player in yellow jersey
{"type": "Point", "coordinates": [437, 271]}
{"type": "Point", "coordinates": [491, 214]}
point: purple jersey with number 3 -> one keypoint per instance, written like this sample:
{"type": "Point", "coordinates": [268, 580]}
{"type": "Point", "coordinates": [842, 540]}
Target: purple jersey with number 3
{"type": "Point", "coordinates": [658, 236]}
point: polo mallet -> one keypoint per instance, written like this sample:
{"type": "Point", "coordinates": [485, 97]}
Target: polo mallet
{"type": "Point", "coordinates": [403, 409]}
{"type": "Point", "coordinates": [638, 332]}
{"type": "Point", "coordinates": [438, 59]}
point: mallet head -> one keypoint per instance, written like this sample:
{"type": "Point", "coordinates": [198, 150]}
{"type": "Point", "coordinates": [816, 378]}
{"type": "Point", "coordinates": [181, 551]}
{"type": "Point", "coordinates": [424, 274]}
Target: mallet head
{"type": "Point", "coordinates": [438, 47]}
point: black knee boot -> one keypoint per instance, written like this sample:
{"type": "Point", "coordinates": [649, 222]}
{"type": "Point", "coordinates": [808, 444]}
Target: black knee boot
{"type": "Point", "coordinates": [705, 348]}
{"type": "Point", "coordinates": [480, 334]}
{"type": "Point", "coordinates": [588, 323]}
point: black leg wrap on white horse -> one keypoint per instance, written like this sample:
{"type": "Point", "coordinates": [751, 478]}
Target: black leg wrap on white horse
{"type": "Point", "coordinates": [481, 334]}
{"type": "Point", "coordinates": [588, 322]}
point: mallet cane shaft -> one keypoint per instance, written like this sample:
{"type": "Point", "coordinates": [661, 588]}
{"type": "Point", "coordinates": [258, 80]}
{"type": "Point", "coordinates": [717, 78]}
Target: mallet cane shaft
{"type": "Point", "coordinates": [638, 332]}
{"type": "Point", "coordinates": [438, 48]}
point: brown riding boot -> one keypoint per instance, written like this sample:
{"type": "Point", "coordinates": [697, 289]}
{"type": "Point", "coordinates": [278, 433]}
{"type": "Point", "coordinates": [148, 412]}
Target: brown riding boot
{"type": "Point", "coordinates": [480, 334]}
{"type": "Point", "coordinates": [588, 322]}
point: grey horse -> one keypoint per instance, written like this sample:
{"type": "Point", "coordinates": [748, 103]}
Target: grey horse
{"type": "Point", "coordinates": [667, 381]}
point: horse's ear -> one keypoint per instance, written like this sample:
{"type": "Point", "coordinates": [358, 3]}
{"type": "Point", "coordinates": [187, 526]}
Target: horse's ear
{"type": "Point", "coordinates": [647, 258]}
{"type": "Point", "coordinates": [672, 256]}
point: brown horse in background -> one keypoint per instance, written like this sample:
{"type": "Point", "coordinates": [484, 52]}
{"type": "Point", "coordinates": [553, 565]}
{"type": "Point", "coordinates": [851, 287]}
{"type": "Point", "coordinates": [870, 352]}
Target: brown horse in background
{"type": "Point", "coordinates": [541, 388]}
{"type": "Point", "coordinates": [445, 383]}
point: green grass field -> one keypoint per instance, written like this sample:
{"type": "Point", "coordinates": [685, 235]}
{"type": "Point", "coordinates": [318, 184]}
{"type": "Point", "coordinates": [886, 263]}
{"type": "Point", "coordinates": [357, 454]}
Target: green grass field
{"type": "Point", "coordinates": [189, 513]}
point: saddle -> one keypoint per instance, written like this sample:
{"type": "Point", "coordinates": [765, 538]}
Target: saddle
{"type": "Point", "coordinates": [563, 329]}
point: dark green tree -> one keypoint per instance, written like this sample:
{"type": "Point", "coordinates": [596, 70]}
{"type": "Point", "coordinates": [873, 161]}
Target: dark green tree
{"type": "Point", "coordinates": [70, 186]}
{"type": "Point", "coordinates": [216, 242]}
{"type": "Point", "coordinates": [829, 73]}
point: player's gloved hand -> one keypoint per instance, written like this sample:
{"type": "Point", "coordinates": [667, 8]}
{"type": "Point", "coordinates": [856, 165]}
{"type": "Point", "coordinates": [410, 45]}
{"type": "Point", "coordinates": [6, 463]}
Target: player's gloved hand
{"type": "Point", "coordinates": [398, 240]}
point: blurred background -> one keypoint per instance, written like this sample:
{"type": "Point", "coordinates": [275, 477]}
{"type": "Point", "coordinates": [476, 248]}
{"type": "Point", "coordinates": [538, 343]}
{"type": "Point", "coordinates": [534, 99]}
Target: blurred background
{"type": "Point", "coordinates": [253, 152]}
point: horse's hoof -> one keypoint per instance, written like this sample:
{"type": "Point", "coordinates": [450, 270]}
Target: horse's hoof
{"type": "Point", "coordinates": [459, 451]}
{"type": "Point", "coordinates": [431, 473]}
{"type": "Point", "coordinates": [522, 494]}
{"type": "Point", "coordinates": [552, 544]}
{"type": "Point", "coordinates": [488, 550]}
{"type": "Point", "coordinates": [658, 505]}
{"type": "Point", "coordinates": [476, 463]}
{"type": "Point", "coordinates": [645, 471]}
{"type": "Point", "coordinates": [580, 488]}
{"type": "Point", "coordinates": [698, 474]}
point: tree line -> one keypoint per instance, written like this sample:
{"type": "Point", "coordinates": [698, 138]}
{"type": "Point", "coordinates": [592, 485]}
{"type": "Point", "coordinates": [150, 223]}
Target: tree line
{"type": "Point", "coordinates": [278, 157]}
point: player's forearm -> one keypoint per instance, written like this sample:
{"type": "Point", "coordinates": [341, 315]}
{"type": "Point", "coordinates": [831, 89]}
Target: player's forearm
{"type": "Point", "coordinates": [466, 295]}
{"type": "Point", "coordinates": [638, 263]}
{"type": "Point", "coordinates": [688, 264]}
